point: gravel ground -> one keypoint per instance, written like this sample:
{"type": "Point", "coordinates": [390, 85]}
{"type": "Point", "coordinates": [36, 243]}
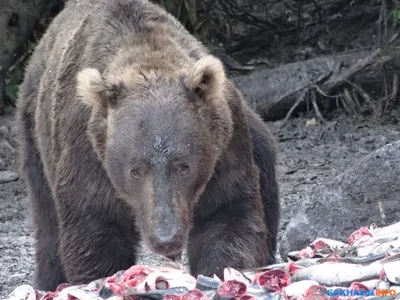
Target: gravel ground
{"type": "Point", "coordinates": [309, 155]}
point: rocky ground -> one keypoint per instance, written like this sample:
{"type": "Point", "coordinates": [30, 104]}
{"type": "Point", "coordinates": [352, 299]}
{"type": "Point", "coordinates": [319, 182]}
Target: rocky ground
{"type": "Point", "coordinates": [310, 154]}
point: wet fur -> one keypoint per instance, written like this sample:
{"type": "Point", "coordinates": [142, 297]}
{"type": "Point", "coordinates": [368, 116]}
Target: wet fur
{"type": "Point", "coordinates": [83, 230]}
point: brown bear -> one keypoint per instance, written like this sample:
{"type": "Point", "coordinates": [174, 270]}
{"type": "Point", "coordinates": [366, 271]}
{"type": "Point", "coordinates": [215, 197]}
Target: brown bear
{"type": "Point", "coordinates": [130, 130]}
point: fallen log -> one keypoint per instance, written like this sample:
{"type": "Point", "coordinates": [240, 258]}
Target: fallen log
{"type": "Point", "coordinates": [17, 20]}
{"type": "Point", "coordinates": [273, 93]}
{"type": "Point", "coordinates": [367, 193]}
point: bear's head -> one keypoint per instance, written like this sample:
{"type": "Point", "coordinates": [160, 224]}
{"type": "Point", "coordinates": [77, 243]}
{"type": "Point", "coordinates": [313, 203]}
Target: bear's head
{"type": "Point", "coordinates": [159, 135]}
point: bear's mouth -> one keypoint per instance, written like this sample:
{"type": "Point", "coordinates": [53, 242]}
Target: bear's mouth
{"type": "Point", "coordinates": [165, 241]}
{"type": "Point", "coordinates": [171, 250]}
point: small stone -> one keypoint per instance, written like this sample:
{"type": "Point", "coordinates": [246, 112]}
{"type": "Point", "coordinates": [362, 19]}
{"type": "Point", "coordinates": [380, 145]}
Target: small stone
{"type": "Point", "coordinates": [8, 176]}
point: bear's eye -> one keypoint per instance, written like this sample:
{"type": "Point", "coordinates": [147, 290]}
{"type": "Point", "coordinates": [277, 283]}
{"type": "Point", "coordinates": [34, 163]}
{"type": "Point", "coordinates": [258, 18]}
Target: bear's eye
{"type": "Point", "coordinates": [183, 169]}
{"type": "Point", "coordinates": [135, 174]}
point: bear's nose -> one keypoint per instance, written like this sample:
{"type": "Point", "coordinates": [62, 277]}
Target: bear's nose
{"type": "Point", "coordinates": [167, 241]}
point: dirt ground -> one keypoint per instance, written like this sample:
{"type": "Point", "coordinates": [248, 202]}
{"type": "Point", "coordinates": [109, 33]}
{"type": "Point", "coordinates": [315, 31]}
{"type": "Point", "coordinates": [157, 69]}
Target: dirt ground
{"type": "Point", "coordinates": [309, 155]}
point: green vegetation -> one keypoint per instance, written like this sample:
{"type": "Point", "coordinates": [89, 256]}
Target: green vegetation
{"type": "Point", "coordinates": [396, 16]}
{"type": "Point", "coordinates": [184, 10]}
{"type": "Point", "coordinates": [12, 91]}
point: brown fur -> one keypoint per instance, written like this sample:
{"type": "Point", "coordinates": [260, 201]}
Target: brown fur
{"type": "Point", "coordinates": [113, 84]}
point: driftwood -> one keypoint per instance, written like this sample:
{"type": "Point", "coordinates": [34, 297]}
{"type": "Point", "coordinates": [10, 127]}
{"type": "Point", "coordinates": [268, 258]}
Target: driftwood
{"type": "Point", "coordinates": [17, 19]}
{"type": "Point", "coordinates": [273, 93]}
{"type": "Point", "coordinates": [286, 85]}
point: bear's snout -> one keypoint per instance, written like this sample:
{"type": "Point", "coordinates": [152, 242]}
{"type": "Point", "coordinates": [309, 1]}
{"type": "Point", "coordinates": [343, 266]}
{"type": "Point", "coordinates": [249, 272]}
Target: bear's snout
{"type": "Point", "coordinates": [167, 241]}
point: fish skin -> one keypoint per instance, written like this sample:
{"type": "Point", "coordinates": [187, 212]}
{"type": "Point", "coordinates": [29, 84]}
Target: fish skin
{"type": "Point", "coordinates": [219, 297]}
{"type": "Point", "coordinates": [305, 262]}
{"type": "Point", "coordinates": [295, 255]}
{"type": "Point", "coordinates": [105, 292]}
{"type": "Point", "coordinates": [375, 248]}
{"type": "Point", "coordinates": [233, 274]}
{"type": "Point", "coordinates": [393, 251]}
{"type": "Point", "coordinates": [254, 290]}
{"type": "Point", "coordinates": [74, 292]}
{"type": "Point", "coordinates": [280, 266]}
{"type": "Point", "coordinates": [376, 244]}
{"type": "Point", "coordinates": [159, 294]}
{"type": "Point", "coordinates": [205, 283]}
{"type": "Point", "coordinates": [388, 259]}
{"type": "Point", "coordinates": [210, 293]}
{"type": "Point", "coordinates": [374, 237]}
{"type": "Point", "coordinates": [383, 248]}
{"type": "Point", "coordinates": [332, 274]}
{"type": "Point", "coordinates": [325, 242]}
{"type": "Point", "coordinates": [392, 271]}
{"type": "Point", "coordinates": [386, 239]}
{"type": "Point", "coordinates": [258, 291]}
{"type": "Point", "coordinates": [371, 284]}
{"type": "Point", "coordinates": [271, 296]}
{"type": "Point", "coordinates": [296, 289]}
{"type": "Point", "coordinates": [247, 297]}
{"type": "Point", "coordinates": [362, 260]}
{"type": "Point", "coordinates": [387, 230]}
{"type": "Point", "coordinates": [267, 296]}
{"type": "Point", "coordinates": [366, 250]}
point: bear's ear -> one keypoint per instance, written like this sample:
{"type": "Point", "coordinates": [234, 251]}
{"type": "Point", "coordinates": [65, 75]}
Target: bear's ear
{"type": "Point", "coordinates": [90, 87]}
{"type": "Point", "coordinates": [93, 90]}
{"type": "Point", "coordinates": [206, 79]}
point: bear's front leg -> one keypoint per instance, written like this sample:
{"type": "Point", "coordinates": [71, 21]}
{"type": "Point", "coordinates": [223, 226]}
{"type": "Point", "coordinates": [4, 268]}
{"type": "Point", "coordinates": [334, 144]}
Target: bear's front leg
{"type": "Point", "coordinates": [92, 248]}
{"type": "Point", "coordinates": [230, 239]}
{"type": "Point", "coordinates": [97, 234]}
